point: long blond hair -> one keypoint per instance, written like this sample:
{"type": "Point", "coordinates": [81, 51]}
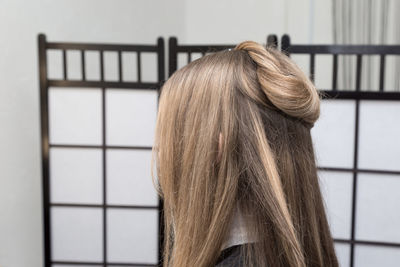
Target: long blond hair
{"type": "Point", "coordinates": [264, 107]}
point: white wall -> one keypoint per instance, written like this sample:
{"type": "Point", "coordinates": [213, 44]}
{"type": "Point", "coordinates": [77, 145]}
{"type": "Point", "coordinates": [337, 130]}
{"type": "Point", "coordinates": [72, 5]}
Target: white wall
{"type": "Point", "coordinates": [121, 21]}
{"type": "Point", "coordinates": [231, 21]}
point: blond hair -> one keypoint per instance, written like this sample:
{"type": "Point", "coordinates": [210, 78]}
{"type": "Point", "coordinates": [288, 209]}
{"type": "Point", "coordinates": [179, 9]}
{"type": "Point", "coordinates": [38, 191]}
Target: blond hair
{"type": "Point", "coordinates": [264, 107]}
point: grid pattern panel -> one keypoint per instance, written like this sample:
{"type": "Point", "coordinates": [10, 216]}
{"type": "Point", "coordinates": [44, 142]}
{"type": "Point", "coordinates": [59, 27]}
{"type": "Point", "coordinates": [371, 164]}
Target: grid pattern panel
{"type": "Point", "coordinates": [341, 148]}
{"type": "Point", "coordinates": [360, 186]}
{"type": "Point", "coordinates": [349, 245]}
{"type": "Point", "coordinates": [100, 208]}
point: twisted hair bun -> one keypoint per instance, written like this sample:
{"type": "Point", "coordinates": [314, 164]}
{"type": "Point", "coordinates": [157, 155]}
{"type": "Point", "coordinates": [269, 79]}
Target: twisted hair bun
{"type": "Point", "coordinates": [284, 84]}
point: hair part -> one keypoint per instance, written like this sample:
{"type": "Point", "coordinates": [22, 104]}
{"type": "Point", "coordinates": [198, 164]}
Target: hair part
{"type": "Point", "coordinates": [264, 107]}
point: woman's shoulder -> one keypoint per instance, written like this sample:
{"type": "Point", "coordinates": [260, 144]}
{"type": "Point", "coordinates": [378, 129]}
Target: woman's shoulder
{"type": "Point", "coordinates": [230, 257]}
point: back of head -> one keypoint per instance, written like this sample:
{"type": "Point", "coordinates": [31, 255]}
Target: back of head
{"type": "Point", "coordinates": [263, 106]}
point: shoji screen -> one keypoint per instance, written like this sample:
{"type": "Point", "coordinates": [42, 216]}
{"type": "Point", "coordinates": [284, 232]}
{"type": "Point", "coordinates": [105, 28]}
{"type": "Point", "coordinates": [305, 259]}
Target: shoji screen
{"type": "Point", "coordinates": [357, 147]}
{"type": "Point", "coordinates": [99, 105]}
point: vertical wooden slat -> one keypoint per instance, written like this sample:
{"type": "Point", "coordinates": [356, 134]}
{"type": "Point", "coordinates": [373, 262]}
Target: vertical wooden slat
{"type": "Point", "coordinates": [138, 66]}
{"type": "Point", "coordinates": [382, 73]}
{"type": "Point", "coordinates": [101, 65]}
{"type": "Point", "coordinates": [120, 66]}
{"type": "Point", "coordinates": [83, 63]}
{"type": "Point", "coordinates": [335, 72]}
{"type": "Point", "coordinates": [172, 55]}
{"type": "Point", "coordinates": [285, 44]}
{"type": "Point", "coordinates": [358, 72]}
{"type": "Point", "coordinates": [44, 123]}
{"type": "Point", "coordinates": [64, 57]}
{"type": "Point", "coordinates": [312, 67]}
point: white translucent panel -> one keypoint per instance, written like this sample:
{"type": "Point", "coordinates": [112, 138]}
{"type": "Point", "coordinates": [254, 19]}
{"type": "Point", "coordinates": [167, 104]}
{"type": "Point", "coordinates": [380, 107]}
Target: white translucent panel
{"type": "Point", "coordinates": [336, 188]}
{"type": "Point", "coordinates": [346, 72]}
{"type": "Point", "coordinates": [110, 66]}
{"type": "Point", "coordinates": [303, 61]}
{"type": "Point", "coordinates": [378, 216]}
{"type": "Point", "coordinates": [129, 178]}
{"type": "Point", "coordinates": [92, 65]}
{"type": "Point", "coordinates": [373, 256]}
{"type": "Point", "coordinates": [74, 71]}
{"type": "Point", "coordinates": [379, 145]}
{"type": "Point", "coordinates": [55, 64]}
{"type": "Point", "coordinates": [343, 254]}
{"type": "Point", "coordinates": [132, 235]}
{"type": "Point", "coordinates": [77, 234]}
{"type": "Point", "coordinates": [196, 56]}
{"type": "Point", "coordinates": [323, 71]}
{"type": "Point", "coordinates": [392, 82]}
{"type": "Point", "coordinates": [370, 73]}
{"type": "Point", "coordinates": [182, 60]}
{"type": "Point", "coordinates": [75, 116]}
{"type": "Point", "coordinates": [129, 67]}
{"type": "Point", "coordinates": [131, 117]}
{"type": "Point", "coordinates": [76, 175]}
{"type": "Point", "coordinates": [333, 134]}
{"type": "Point", "coordinates": [149, 69]}
{"type": "Point", "coordinates": [91, 265]}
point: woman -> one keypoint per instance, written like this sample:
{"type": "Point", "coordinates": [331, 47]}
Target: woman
{"type": "Point", "coordinates": [235, 163]}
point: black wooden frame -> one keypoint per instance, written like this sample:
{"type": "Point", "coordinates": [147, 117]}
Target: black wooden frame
{"type": "Point", "coordinates": [359, 51]}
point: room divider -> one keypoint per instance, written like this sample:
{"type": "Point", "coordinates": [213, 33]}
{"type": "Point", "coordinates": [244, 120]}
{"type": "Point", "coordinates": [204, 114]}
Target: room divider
{"type": "Point", "coordinates": [97, 122]}
{"type": "Point", "coordinates": [91, 161]}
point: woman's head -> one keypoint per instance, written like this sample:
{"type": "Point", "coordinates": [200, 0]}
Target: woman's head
{"type": "Point", "coordinates": [233, 128]}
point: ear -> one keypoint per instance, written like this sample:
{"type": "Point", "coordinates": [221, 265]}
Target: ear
{"type": "Point", "coordinates": [220, 140]}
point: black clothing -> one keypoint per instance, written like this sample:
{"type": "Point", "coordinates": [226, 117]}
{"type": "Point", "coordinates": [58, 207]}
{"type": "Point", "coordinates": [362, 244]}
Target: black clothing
{"type": "Point", "coordinates": [230, 257]}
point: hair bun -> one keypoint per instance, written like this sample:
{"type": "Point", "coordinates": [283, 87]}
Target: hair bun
{"type": "Point", "coordinates": [284, 84]}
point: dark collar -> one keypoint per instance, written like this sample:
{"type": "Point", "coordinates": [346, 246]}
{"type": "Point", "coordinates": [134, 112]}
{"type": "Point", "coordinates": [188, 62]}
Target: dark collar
{"type": "Point", "coordinates": [230, 257]}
